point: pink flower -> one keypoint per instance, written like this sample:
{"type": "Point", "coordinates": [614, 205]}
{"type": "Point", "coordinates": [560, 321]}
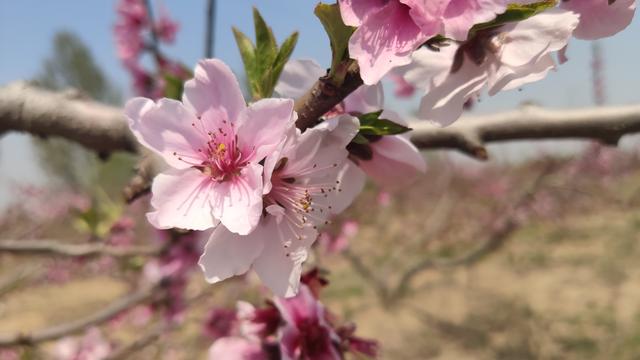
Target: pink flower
{"type": "Point", "coordinates": [391, 161]}
{"type": "Point", "coordinates": [92, 346]}
{"type": "Point", "coordinates": [306, 333]}
{"type": "Point", "coordinates": [502, 58]}
{"type": "Point", "coordinates": [236, 348]}
{"type": "Point", "coordinates": [213, 144]}
{"type": "Point", "coordinates": [165, 27]}
{"type": "Point", "coordinates": [390, 30]}
{"type": "Point", "coordinates": [220, 323]}
{"type": "Point", "coordinates": [303, 188]}
{"type": "Point", "coordinates": [600, 18]}
{"type": "Point", "coordinates": [337, 244]}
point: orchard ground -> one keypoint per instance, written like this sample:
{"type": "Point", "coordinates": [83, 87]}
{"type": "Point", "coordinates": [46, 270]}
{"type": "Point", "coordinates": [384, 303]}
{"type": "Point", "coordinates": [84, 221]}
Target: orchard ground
{"type": "Point", "coordinates": [563, 284]}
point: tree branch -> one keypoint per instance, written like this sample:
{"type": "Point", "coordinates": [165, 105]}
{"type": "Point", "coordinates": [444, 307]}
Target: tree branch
{"type": "Point", "coordinates": [323, 97]}
{"type": "Point", "coordinates": [51, 247]}
{"type": "Point", "coordinates": [104, 129]}
{"type": "Point", "coordinates": [471, 134]}
{"type": "Point", "coordinates": [100, 317]}
{"type": "Point", "coordinates": [45, 113]}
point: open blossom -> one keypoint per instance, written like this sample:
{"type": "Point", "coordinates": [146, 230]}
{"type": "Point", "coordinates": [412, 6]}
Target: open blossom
{"type": "Point", "coordinates": [302, 190]}
{"type": "Point", "coordinates": [501, 58]}
{"type": "Point", "coordinates": [390, 30]}
{"type": "Point", "coordinates": [165, 27]}
{"type": "Point", "coordinates": [213, 144]}
{"type": "Point", "coordinates": [306, 333]}
{"type": "Point", "coordinates": [391, 161]}
{"type": "Point", "coordinates": [600, 18]}
{"type": "Point", "coordinates": [236, 348]}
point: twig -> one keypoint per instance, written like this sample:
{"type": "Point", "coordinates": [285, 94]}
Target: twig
{"type": "Point", "coordinates": [52, 247]}
{"type": "Point", "coordinates": [75, 326]}
{"type": "Point", "coordinates": [129, 349]}
{"type": "Point", "coordinates": [495, 241]}
{"type": "Point", "coordinates": [140, 183]}
{"type": "Point", "coordinates": [153, 46]}
{"type": "Point", "coordinates": [210, 38]}
{"type": "Point", "coordinates": [323, 97]}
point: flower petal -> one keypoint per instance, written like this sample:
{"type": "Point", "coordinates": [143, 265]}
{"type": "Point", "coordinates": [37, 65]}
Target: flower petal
{"type": "Point", "coordinates": [600, 18]}
{"type": "Point", "coordinates": [166, 128]}
{"type": "Point", "coordinates": [237, 202]}
{"type": "Point", "coordinates": [353, 12]}
{"type": "Point", "coordinates": [385, 40]}
{"type": "Point", "coordinates": [365, 99]}
{"type": "Point", "coordinates": [181, 200]}
{"type": "Point", "coordinates": [214, 86]}
{"type": "Point", "coordinates": [280, 267]}
{"type": "Point", "coordinates": [263, 125]}
{"type": "Point", "coordinates": [297, 77]}
{"type": "Point", "coordinates": [396, 162]}
{"type": "Point", "coordinates": [227, 254]}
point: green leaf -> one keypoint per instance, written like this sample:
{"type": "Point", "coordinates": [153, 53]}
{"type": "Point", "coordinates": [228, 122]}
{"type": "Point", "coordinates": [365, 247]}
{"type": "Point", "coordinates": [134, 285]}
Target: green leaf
{"type": "Point", "coordinates": [266, 52]}
{"type": "Point", "coordinates": [281, 59]}
{"type": "Point", "coordinates": [371, 124]}
{"type": "Point", "coordinates": [264, 61]}
{"type": "Point", "coordinates": [247, 50]}
{"type": "Point", "coordinates": [339, 35]}
{"type": "Point", "coordinates": [360, 139]}
{"type": "Point", "coordinates": [174, 87]}
{"type": "Point", "coordinates": [515, 12]}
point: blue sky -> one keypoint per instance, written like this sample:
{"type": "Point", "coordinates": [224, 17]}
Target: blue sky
{"type": "Point", "coordinates": [27, 27]}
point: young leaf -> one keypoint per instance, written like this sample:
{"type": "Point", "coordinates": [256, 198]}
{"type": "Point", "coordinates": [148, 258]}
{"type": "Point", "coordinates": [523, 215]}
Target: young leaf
{"type": "Point", "coordinates": [173, 87]}
{"type": "Point", "coordinates": [338, 33]}
{"type": "Point", "coordinates": [371, 124]}
{"type": "Point", "coordinates": [515, 12]}
{"type": "Point", "coordinates": [281, 59]}
{"type": "Point", "coordinates": [247, 50]}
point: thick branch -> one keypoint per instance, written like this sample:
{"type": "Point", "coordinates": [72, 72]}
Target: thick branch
{"type": "Point", "coordinates": [46, 113]}
{"type": "Point", "coordinates": [50, 247]}
{"type": "Point", "coordinates": [104, 129]}
{"type": "Point", "coordinates": [471, 134]}
{"type": "Point", "coordinates": [100, 317]}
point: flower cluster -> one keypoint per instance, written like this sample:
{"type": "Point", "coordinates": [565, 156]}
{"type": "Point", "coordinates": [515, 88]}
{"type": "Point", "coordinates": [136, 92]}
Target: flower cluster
{"type": "Point", "coordinates": [293, 328]}
{"type": "Point", "coordinates": [136, 34]}
{"type": "Point", "coordinates": [391, 34]}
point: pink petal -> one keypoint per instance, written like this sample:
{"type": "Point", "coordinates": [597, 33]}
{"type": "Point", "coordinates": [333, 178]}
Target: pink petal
{"type": "Point", "coordinates": [353, 12]}
{"type": "Point", "coordinates": [598, 19]}
{"type": "Point", "coordinates": [181, 200]}
{"type": "Point", "coordinates": [444, 102]}
{"type": "Point", "coordinates": [507, 78]}
{"type": "Point", "coordinates": [263, 125]}
{"type": "Point", "coordinates": [461, 15]}
{"type": "Point", "coordinates": [166, 128]}
{"type": "Point", "coordinates": [280, 267]}
{"type": "Point", "coordinates": [385, 40]}
{"type": "Point", "coordinates": [527, 40]}
{"type": "Point", "coordinates": [227, 254]}
{"type": "Point", "coordinates": [214, 86]}
{"type": "Point", "coordinates": [352, 180]}
{"type": "Point", "coordinates": [396, 162]}
{"type": "Point", "coordinates": [237, 202]}
{"type": "Point", "coordinates": [365, 99]}
{"type": "Point", "coordinates": [236, 348]}
{"type": "Point", "coordinates": [297, 77]}
{"type": "Point", "coordinates": [302, 307]}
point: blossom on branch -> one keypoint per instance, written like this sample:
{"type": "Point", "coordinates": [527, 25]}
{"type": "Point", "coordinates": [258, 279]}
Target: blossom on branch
{"type": "Point", "coordinates": [392, 161]}
{"type": "Point", "coordinates": [501, 58]}
{"type": "Point", "coordinates": [600, 18]}
{"type": "Point", "coordinates": [213, 143]}
{"type": "Point", "coordinates": [388, 31]}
